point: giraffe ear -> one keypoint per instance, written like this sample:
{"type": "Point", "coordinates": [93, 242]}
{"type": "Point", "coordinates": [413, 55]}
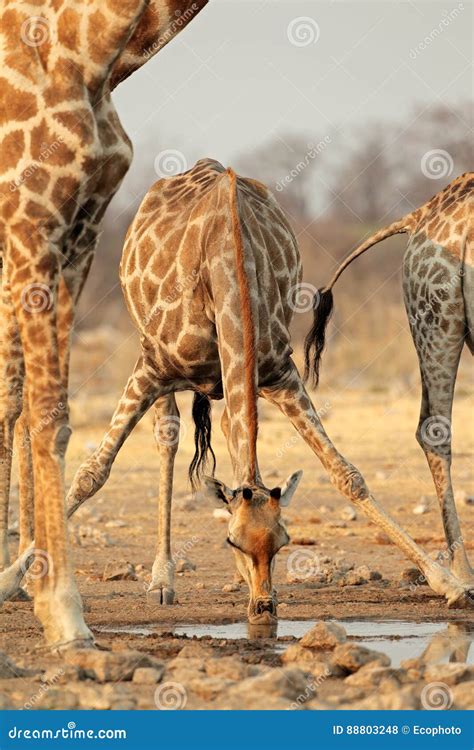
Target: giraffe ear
{"type": "Point", "coordinates": [217, 490]}
{"type": "Point", "coordinates": [288, 489]}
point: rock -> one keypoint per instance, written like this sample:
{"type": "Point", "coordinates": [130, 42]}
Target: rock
{"type": "Point", "coordinates": [352, 578]}
{"type": "Point", "coordinates": [412, 576]}
{"type": "Point", "coordinates": [183, 565]}
{"type": "Point", "coordinates": [348, 513]}
{"type": "Point", "coordinates": [116, 523]}
{"type": "Point", "coordinates": [200, 585]}
{"type": "Point", "coordinates": [324, 635]}
{"type": "Point", "coordinates": [103, 697]}
{"type": "Point", "coordinates": [221, 514]}
{"type": "Point", "coordinates": [208, 688]}
{"type": "Point", "coordinates": [370, 676]}
{"type": "Point", "coordinates": [351, 657]}
{"type": "Point", "coordinates": [287, 683]}
{"type": "Point", "coordinates": [110, 666]}
{"type": "Point", "coordinates": [381, 538]}
{"type": "Point", "coordinates": [451, 673]}
{"type": "Point", "coordinates": [463, 696]}
{"type": "Point", "coordinates": [90, 534]}
{"type": "Point", "coordinates": [147, 675]}
{"type": "Point", "coordinates": [230, 668]}
{"type": "Point", "coordinates": [195, 649]}
{"type": "Point", "coordinates": [228, 587]}
{"type": "Point", "coordinates": [119, 571]}
{"type": "Point", "coordinates": [402, 699]}
{"type": "Point", "coordinates": [66, 673]}
{"type": "Point", "coordinates": [422, 507]}
{"type": "Point", "coordinates": [54, 698]}
{"type": "Point", "coordinates": [8, 668]}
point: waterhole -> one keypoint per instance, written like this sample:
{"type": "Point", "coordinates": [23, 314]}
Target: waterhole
{"type": "Point", "coordinates": [437, 642]}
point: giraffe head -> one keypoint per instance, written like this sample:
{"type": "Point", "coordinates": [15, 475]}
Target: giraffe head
{"type": "Point", "coordinates": [256, 533]}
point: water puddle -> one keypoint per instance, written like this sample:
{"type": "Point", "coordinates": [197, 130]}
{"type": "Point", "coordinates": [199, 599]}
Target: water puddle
{"type": "Point", "coordinates": [436, 642]}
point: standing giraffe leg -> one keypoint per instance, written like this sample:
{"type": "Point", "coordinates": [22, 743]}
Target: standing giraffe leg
{"type": "Point", "coordinates": [25, 483]}
{"type": "Point", "coordinates": [139, 394]}
{"type": "Point", "coordinates": [291, 397]}
{"type": "Point", "coordinates": [166, 431]}
{"type": "Point", "coordinates": [438, 367]}
{"type": "Point", "coordinates": [11, 385]}
{"type": "Point", "coordinates": [437, 316]}
{"type": "Point", "coordinates": [34, 291]}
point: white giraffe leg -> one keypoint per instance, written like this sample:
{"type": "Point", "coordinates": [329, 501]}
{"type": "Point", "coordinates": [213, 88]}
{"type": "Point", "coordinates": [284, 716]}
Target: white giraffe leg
{"type": "Point", "coordinates": [166, 432]}
{"type": "Point", "coordinates": [291, 397]}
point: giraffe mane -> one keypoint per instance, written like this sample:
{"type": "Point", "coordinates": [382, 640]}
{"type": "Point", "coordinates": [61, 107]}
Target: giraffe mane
{"type": "Point", "coordinates": [248, 327]}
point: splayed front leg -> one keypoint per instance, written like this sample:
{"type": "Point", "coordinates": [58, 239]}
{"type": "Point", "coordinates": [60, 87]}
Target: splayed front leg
{"type": "Point", "coordinates": [291, 397]}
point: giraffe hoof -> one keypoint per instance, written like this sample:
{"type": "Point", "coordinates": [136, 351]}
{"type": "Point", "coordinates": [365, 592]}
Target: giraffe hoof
{"type": "Point", "coordinates": [160, 595]}
{"type": "Point", "coordinates": [464, 601]}
{"type": "Point", "coordinates": [20, 595]}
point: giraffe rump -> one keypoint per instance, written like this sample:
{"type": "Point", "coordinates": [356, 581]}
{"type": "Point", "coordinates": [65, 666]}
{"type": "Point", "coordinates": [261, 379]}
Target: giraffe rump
{"type": "Point", "coordinates": [202, 439]}
{"type": "Point", "coordinates": [323, 302]}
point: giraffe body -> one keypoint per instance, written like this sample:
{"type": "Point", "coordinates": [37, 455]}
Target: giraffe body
{"type": "Point", "coordinates": [182, 273]}
{"type": "Point", "coordinates": [63, 154]}
{"type": "Point", "coordinates": [438, 290]}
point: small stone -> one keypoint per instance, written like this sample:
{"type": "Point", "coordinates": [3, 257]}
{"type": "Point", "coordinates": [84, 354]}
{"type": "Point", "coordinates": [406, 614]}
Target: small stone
{"type": "Point", "coordinates": [288, 683]}
{"type": "Point", "coordinates": [200, 585]}
{"type": "Point", "coordinates": [381, 538]}
{"type": "Point", "coordinates": [110, 666]}
{"type": "Point", "coordinates": [348, 513]}
{"type": "Point", "coordinates": [422, 507]}
{"type": "Point", "coordinates": [450, 674]}
{"type": "Point", "coordinates": [463, 696]}
{"type": "Point", "coordinates": [116, 523]}
{"type": "Point", "coordinates": [370, 676]}
{"type": "Point", "coordinates": [352, 578]}
{"type": "Point", "coordinates": [412, 576]}
{"type": "Point", "coordinates": [228, 587]}
{"type": "Point", "coordinates": [351, 657]}
{"type": "Point", "coordinates": [228, 667]}
{"type": "Point", "coordinates": [147, 675]}
{"type": "Point", "coordinates": [183, 565]}
{"type": "Point", "coordinates": [119, 571]}
{"type": "Point", "coordinates": [221, 514]}
{"type": "Point", "coordinates": [324, 635]}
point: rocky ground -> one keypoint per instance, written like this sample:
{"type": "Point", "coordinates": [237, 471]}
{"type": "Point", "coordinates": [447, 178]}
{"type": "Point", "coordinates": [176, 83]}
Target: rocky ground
{"type": "Point", "coordinates": [337, 566]}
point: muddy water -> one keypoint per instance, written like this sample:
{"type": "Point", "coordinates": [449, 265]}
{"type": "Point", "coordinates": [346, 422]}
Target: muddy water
{"type": "Point", "coordinates": [436, 642]}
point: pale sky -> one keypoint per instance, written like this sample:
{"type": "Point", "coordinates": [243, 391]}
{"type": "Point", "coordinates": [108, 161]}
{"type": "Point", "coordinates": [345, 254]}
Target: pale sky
{"type": "Point", "coordinates": [246, 70]}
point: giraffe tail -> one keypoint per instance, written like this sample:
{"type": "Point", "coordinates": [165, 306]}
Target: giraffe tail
{"type": "Point", "coordinates": [323, 299]}
{"type": "Point", "coordinates": [202, 439]}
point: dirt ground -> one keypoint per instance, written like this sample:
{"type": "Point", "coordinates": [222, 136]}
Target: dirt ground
{"type": "Point", "coordinates": [375, 430]}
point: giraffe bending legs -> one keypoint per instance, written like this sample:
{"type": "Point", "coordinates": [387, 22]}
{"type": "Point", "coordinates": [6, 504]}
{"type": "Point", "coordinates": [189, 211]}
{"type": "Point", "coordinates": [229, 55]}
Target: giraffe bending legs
{"type": "Point", "coordinates": [139, 394]}
{"type": "Point", "coordinates": [166, 431]}
{"type": "Point", "coordinates": [291, 397]}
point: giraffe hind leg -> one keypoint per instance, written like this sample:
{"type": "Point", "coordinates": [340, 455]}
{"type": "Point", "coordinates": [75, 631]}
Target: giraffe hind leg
{"type": "Point", "coordinates": [291, 397]}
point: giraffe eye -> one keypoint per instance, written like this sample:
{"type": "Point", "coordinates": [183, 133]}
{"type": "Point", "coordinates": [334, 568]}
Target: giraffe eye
{"type": "Point", "coordinates": [247, 493]}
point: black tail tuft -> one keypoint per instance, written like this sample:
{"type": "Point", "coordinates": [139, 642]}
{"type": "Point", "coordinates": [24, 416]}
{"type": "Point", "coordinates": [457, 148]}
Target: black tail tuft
{"type": "Point", "coordinates": [315, 340]}
{"type": "Point", "coordinates": [202, 439]}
